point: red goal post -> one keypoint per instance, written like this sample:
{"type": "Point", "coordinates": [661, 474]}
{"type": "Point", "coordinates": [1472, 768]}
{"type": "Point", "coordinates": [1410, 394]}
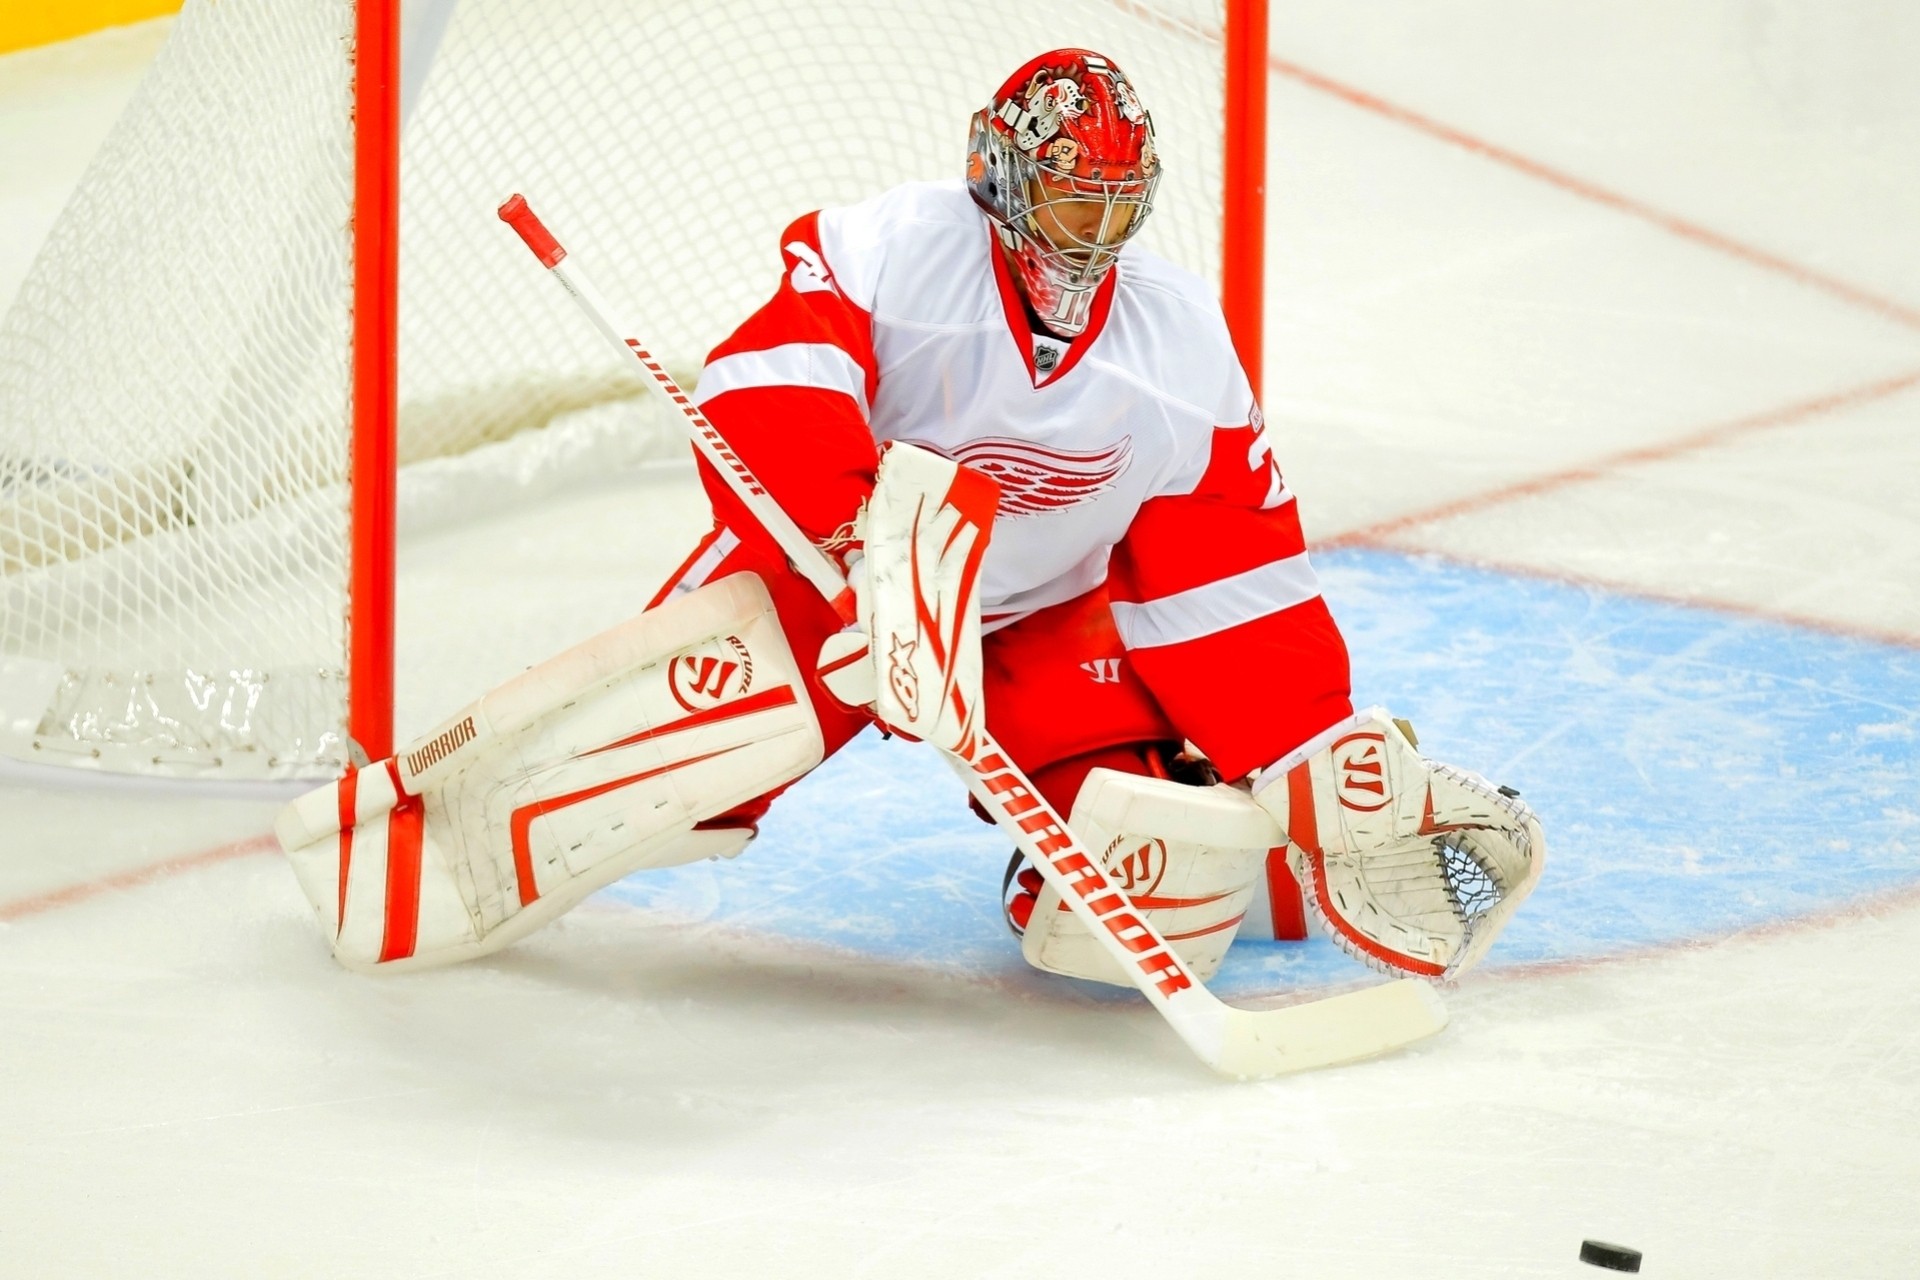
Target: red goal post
{"type": "Point", "coordinates": [279, 297]}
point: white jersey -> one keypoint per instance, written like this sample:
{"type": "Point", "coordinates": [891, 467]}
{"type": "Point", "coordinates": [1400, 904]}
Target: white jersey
{"type": "Point", "coordinates": [1132, 461]}
{"type": "Point", "coordinates": [1079, 434]}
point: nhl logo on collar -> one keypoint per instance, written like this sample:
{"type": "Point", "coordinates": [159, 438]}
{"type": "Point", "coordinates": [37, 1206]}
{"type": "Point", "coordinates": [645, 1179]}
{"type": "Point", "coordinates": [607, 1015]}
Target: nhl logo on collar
{"type": "Point", "coordinates": [1046, 356]}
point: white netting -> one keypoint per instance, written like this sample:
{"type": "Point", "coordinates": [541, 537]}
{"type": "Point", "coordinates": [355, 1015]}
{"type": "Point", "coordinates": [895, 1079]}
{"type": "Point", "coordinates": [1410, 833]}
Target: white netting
{"type": "Point", "coordinates": [173, 376]}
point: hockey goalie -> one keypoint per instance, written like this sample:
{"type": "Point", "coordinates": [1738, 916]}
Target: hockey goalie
{"type": "Point", "coordinates": [1029, 442]}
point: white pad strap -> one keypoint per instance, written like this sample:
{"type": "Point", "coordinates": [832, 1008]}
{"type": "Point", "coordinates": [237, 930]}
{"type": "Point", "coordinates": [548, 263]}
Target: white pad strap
{"type": "Point", "coordinates": [591, 766]}
{"type": "Point", "coordinates": [1187, 857]}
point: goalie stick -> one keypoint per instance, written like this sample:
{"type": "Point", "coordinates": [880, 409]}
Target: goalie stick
{"type": "Point", "coordinates": [1244, 1043]}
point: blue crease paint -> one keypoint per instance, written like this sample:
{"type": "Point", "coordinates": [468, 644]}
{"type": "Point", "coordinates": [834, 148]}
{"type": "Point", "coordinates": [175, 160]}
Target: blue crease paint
{"type": "Point", "coordinates": [1698, 773]}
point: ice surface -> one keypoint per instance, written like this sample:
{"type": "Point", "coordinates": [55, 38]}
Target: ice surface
{"type": "Point", "coordinates": [1699, 775]}
{"type": "Point", "coordinates": [1699, 1038]}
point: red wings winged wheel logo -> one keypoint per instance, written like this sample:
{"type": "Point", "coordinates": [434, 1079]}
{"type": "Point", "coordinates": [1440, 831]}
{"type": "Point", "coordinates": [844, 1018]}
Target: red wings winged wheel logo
{"type": "Point", "coordinates": [1036, 480]}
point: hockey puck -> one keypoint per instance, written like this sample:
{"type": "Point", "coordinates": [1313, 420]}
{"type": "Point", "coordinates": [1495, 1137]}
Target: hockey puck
{"type": "Point", "coordinates": [1614, 1257]}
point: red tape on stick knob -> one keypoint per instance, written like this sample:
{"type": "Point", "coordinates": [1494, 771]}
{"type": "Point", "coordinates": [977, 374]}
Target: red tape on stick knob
{"type": "Point", "coordinates": [516, 214]}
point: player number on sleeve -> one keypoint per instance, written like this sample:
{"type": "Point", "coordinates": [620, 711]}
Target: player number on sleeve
{"type": "Point", "coordinates": [810, 273]}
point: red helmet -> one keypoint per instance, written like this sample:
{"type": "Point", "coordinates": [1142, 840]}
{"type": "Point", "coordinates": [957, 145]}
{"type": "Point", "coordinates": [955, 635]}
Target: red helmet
{"type": "Point", "coordinates": [1064, 164]}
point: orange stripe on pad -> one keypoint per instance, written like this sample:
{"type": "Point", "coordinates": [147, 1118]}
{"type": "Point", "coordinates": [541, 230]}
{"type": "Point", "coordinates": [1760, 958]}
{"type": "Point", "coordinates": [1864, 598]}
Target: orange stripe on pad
{"type": "Point", "coordinates": [521, 824]}
{"type": "Point", "coordinates": [1201, 933]}
{"type": "Point", "coordinates": [406, 829]}
{"type": "Point", "coordinates": [779, 696]}
{"type": "Point", "coordinates": [1283, 899]}
{"type": "Point", "coordinates": [1148, 902]}
{"type": "Point", "coordinates": [524, 817]}
{"type": "Point", "coordinates": [346, 793]}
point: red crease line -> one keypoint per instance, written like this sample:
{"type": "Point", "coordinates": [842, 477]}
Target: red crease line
{"type": "Point", "coordinates": [1874, 905]}
{"type": "Point", "coordinates": [41, 903]}
{"type": "Point", "coordinates": [1600, 468]}
{"type": "Point", "coordinates": [1671, 223]}
{"type": "Point", "coordinates": [1806, 621]}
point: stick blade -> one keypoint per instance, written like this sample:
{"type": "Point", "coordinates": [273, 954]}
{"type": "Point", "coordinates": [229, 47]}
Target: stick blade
{"type": "Point", "coordinates": [1362, 1024]}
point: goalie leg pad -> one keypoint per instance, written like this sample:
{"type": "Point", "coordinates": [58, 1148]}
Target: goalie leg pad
{"type": "Point", "coordinates": [1187, 857]}
{"type": "Point", "coordinates": [705, 709]}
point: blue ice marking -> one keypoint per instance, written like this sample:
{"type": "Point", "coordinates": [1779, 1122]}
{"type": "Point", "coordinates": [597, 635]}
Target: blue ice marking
{"type": "Point", "coordinates": [1697, 774]}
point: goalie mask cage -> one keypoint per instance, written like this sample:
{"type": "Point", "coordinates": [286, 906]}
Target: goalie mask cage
{"type": "Point", "coordinates": [280, 292]}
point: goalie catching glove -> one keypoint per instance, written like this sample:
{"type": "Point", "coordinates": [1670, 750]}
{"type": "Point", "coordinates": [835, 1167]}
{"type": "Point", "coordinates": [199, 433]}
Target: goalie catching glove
{"type": "Point", "coordinates": [1412, 866]}
{"type": "Point", "coordinates": [913, 659]}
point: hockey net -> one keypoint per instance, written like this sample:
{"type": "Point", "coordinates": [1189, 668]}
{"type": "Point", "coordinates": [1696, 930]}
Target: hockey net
{"type": "Point", "coordinates": [175, 422]}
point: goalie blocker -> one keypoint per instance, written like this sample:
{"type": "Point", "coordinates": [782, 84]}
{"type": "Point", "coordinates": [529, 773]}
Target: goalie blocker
{"type": "Point", "coordinates": [588, 767]}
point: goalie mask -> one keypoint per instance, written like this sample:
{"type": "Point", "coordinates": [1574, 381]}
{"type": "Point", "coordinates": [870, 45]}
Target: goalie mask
{"type": "Point", "coordinates": [1063, 162]}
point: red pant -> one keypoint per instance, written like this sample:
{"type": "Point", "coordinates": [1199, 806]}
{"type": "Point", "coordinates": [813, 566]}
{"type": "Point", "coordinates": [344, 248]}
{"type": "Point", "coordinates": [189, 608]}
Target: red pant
{"type": "Point", "coordinates": [1060, 696]}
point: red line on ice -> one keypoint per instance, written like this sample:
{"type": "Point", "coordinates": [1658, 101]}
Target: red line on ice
{"type": "Point", "coordinates": [74, 893]}
{"type": "Point", "coordinates": [1389, 534]}
{"type": "Point", "coordinates": [1600, 468]}
{"type": "Point", "coordinates": [1808, 621]}
{"type": "Point", "coordinates": [1706, 237]}
{"type": "Point", "coordinates": [1885, 902]}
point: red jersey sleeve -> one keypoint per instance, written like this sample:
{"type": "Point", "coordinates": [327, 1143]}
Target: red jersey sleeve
{"type": "Point", "coordinates": [790, 391]}
{"type": "Point", "coordinates": [1221, 612]}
